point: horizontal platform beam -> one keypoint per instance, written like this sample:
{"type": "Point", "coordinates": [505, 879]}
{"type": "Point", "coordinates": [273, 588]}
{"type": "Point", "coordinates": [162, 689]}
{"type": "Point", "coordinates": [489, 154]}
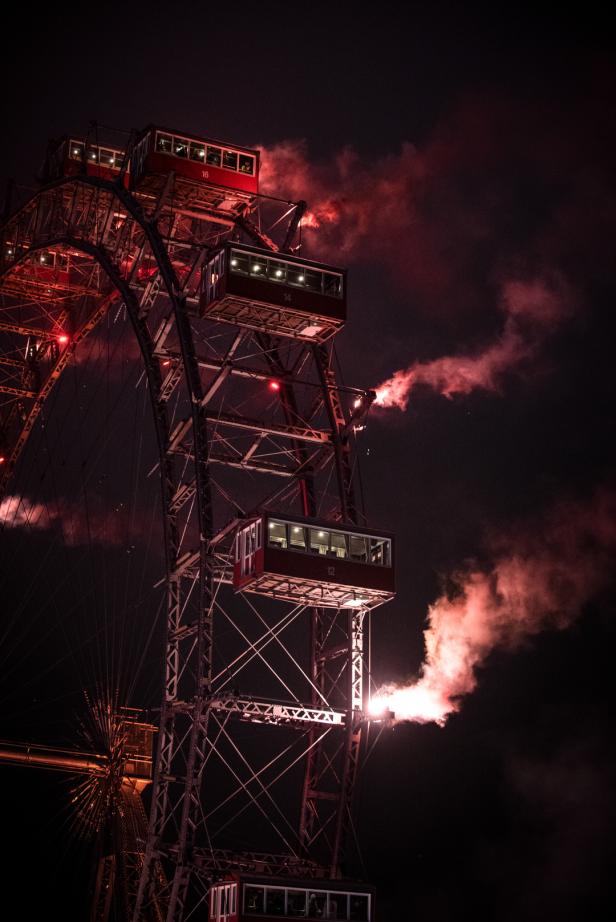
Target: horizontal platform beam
{"type": "Point", "coordinates": [299, 433]}
{"type": "Point", "coordinates": [259, 374]}
{"type": "Point", "coordinates": [276, 713]}
{"type": "Point", "coordinates": [17, 391]}
{"type": "Point", "coordinates": [212, 863]}
{"type": "Point", "coordinates": [236, 421]}
{"type": "Point", "coordinates": [6, 327]}
{"type": "Point", "coordinates": [251, 464]}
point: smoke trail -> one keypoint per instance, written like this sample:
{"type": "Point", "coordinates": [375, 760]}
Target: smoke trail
{"type": "Point", "coordinates": [99, 526]}
{"type": "Point", "coordinates": [532, 310]}
{"type": "Point", "coordinates": [19, 512]}
{"type": "Point", "coordinates": [539, 579]}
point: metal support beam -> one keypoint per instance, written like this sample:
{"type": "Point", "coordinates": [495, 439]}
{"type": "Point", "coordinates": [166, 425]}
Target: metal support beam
{"type": "Point", "coordinates": [51, 757]}
{"type": "Point", "coordinates": [234, 420]}
{"type": "Point", "coordinates": [277, 713]}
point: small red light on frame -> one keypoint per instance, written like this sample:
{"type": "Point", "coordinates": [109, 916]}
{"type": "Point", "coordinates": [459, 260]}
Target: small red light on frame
{"type": "Point", "coordinates": [2, 459]}
{"type": "Point", "coordinates": [274, 385]}
{"type": "Point", "coordinates": [63, 338]}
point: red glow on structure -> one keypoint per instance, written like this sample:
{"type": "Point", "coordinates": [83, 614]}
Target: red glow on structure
{"type": "Point", "coordinates": [274, 385]}
{"type": "Point", "coordinates": [63, 338]}
{"type": "Point", "coordinates": [2, 459]}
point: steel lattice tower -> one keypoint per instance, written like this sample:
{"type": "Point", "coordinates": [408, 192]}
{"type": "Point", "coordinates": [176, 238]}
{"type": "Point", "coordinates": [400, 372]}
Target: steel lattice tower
{"type": "Point", "coordinates": [245, 420]}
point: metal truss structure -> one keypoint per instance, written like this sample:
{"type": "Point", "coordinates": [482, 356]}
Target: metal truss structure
{"type": "Point", "coordinates": [228, 446]}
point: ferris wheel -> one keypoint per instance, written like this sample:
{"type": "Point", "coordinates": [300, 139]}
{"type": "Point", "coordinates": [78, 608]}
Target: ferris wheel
{"type": "Point", "coordinates": [154, 294]}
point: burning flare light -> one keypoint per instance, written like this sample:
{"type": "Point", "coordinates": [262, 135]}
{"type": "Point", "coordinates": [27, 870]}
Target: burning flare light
{"type": "Point", "coordinates": [539, 579]}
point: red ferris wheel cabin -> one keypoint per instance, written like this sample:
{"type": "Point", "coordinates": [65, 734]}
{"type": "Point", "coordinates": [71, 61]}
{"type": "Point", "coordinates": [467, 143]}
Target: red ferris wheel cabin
{"type": "Point", "coordinates": [274, 292]}
{"type": "Point", "coordinates": [312, 562]}
{"type": "Point", "coordinates": [75, 157]}
{"type": "Point", "coordinates": [48, 269]}
{"type": "Point", "coordinates": [249, 898]}
{"type": "Point", "coordinates": [161, 150]}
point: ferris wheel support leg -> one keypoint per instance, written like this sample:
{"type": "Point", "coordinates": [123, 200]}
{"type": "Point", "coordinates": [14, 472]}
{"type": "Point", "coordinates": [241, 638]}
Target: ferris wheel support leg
{"type": "Point", "coordinates": [202, 658]}
{"type": "Point", "coordinates": [353, 734]}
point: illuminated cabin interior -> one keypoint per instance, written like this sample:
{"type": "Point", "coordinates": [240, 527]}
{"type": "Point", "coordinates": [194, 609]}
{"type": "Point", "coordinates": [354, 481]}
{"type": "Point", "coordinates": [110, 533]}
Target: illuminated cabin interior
{"type": "Point", "coordinates": [314, 563]}
{"type": "Point", "coordinates": [274, 293]}
{"type": "Point", "coordinates": [74, 156]}
{"type": "Point", "coordinates": [43, 259]}
{"type": "Point", "coordinates": [243, 897]}
{"type": "Point", "coordinates": [207, 152]}
{"type": "Point", "coordinates": [46, 271]}
{"type": "Point", "coordinates": [209, 176]}
{"type": "Point", "coordinates": [94, 153]}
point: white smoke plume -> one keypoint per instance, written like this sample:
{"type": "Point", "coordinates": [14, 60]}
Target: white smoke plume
{"type": "Point", "coordinates": [532, 310]}
{"type": "Point", "coordinates": [540, 578]}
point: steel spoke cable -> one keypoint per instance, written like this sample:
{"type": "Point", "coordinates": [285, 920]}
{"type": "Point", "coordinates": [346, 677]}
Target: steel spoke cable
{"type": "Point", "coordinates": [258, 653]}
{"type": "Point", "coordinates": [51, 457]}
{"type": "Point", "coordinates": [254, 776]}
{"type": "Point", "coordinates": [125, 384]}
{"type": "Point", "coordinates": [285, 649]}
{"type": "Point", "coordinates": [129, 654]}
{"type": "Point", "coordinates": [88, 639]}
{"type": "Point", "coordinates": [260, 771]}
{"type": "Point", "coordinates": [276, 779]}
{"type": "Point", "coordinates": [253, 800]}
{"type": "Point", "coordinates": [267, 637]}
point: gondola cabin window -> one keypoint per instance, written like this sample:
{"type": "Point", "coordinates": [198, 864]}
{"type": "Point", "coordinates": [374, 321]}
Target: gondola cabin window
{"type": "Point", "coordinates": [343, 545]}
{"type": "Point", "coordinates": [285, 272]}
{"type": "Point", "coordinates": [247, 543]}
{"type": "Point", "coordinates": [93, 154]}
{"type": "Point", "coordinates": [223, 902]}
{"type": "Point", "coordinates": [223, 158]}
{"type": "Point", "coordinates": [313, 562]}
{"type": "Point", "coordinates": [299, 903]}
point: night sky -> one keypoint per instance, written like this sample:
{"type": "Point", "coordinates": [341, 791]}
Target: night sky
{"type": "Point", "coordinates": [461, 165]}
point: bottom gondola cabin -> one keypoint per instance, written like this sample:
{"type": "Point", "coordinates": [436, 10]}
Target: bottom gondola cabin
{"type": "Point", "coordinates": [248, 898]}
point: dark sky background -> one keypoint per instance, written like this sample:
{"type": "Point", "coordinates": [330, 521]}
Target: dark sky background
{"type": "Point", "coordinates": [507, 811]}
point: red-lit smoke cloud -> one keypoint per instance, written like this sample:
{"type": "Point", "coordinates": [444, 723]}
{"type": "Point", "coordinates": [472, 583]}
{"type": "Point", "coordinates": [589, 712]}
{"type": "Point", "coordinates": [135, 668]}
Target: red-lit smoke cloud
{"type": "Point", "coordinates": [532, 309]}
{"type": "Point", "coordinates": [355, 207]}
{"type": "Point", "coordinates": [493, 210]}
{"type": "Point", "coordinates": [497, 184]}
{"type": "Point", "coordinates": [99, 526]}
{"type": "Point", "coordinates": [540, 578]}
